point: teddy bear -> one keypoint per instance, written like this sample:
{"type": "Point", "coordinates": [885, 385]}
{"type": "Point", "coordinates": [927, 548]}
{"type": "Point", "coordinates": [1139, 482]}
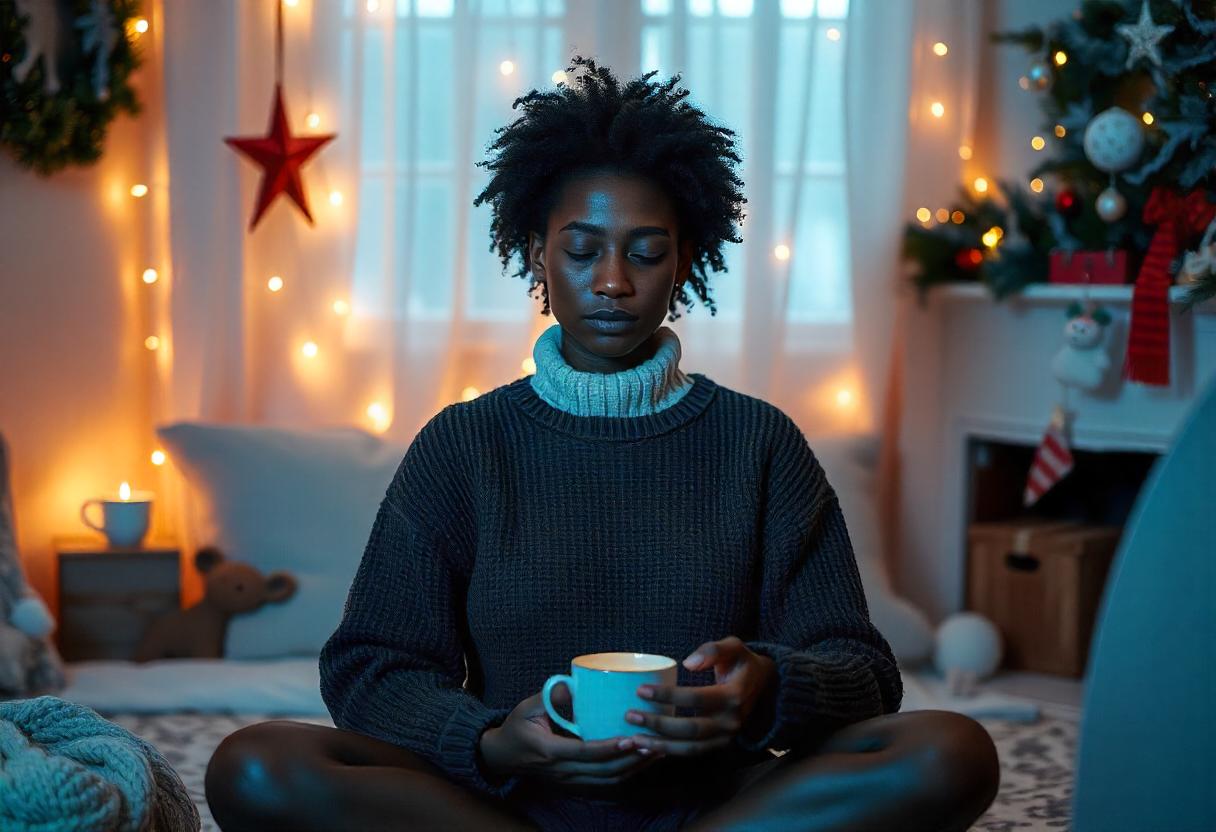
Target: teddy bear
{"type": "Point", "coordinates": [1081, 361]}
{"type": "Point", "coordinates": [198, 632]}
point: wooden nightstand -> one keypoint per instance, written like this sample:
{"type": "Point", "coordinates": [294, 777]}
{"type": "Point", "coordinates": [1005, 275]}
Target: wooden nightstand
{"type": "Point", "coordinates": [107, 597]}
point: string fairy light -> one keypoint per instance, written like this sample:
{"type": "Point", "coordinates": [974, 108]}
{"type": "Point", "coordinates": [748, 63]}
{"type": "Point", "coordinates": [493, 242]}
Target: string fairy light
{"type": "Point", "coordinates": [309, 349]}
{"type": "Point", "coordinates": [964, 152]}
{"type": "Point", "coordinates": [924, 214]}
{"type": "Point", "coordinates": [940, 49]}
{"type": "Point", "coordinates": [139, 190]}
{"type": "Point", "coordinates": [150, 276]}
{"type": "Point", "coordinates": [782, 252]}
{"type": "Point", "coordinates": [1038, 143]}
{"type": "Point", "coordinates": [938, 109]}
{"type": "Point", "coordinates": [981, 185]}
{"type": "Point", "coordinates": [506, 67]}
{"type": "Point", "coordinates": [469, 393]}
{"type": "Point", "coordinates": [152, 343]}
{"type": "Point", "coordinates": [158, 457]}
{"type": "Point", "coordinates": [275, 283]}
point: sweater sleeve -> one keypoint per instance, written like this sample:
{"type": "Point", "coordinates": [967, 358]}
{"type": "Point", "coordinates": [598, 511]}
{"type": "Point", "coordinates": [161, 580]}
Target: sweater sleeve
{"type": "Point", "coordinates": [394, 668]}
{"type": "Point", "coordinates": [833, 666]}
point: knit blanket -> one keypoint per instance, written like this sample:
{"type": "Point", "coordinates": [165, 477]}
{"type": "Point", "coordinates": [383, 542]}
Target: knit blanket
{"type": "Point", "coordinates": [64, 768]}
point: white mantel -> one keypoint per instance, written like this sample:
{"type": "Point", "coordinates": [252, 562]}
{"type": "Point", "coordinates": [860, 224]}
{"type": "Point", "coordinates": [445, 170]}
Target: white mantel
{"type": "Point", "coordinates": [974, 367]}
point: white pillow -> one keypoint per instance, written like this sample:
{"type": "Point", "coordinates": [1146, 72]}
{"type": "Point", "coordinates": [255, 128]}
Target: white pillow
{"type": "Point", "coordinates": [849, 463]}
{"type": "Point", "coordinates": [299, 500]}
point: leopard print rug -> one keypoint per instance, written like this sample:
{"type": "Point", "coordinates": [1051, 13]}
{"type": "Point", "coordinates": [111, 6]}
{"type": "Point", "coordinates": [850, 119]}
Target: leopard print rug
{"type": "Point", "coordinates": [1037, 762]}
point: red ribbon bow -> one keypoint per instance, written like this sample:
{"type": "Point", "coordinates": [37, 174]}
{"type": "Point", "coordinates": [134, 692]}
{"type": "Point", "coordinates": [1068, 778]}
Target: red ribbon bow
{"type": "Point", "coordinates": [1176, 217]}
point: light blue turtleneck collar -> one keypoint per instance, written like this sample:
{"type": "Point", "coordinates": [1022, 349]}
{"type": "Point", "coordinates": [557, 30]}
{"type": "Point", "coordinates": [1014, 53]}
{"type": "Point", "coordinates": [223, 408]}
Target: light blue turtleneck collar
{"type": "Point", "coordinates": [651, 386]}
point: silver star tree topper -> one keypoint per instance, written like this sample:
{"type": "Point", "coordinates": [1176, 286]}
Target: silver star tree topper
{"type": "Point", "coordinates": [1143, 37]}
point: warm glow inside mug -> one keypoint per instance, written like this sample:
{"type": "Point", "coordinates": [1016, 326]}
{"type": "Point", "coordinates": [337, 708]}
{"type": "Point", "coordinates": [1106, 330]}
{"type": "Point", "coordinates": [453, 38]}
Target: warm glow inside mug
{"type": "Point", "coordinates": [124, 516]}
{"type": "Point", "coordinates": [604, 687]}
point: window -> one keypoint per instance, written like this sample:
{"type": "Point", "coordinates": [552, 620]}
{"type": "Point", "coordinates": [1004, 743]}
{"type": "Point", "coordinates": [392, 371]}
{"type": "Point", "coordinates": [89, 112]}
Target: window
{"type": "Point", "coordinates": [431, 87]}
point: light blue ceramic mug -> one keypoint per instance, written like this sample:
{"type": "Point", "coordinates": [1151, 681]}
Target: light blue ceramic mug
{"type": "Point", "coordinates": [604, 688]}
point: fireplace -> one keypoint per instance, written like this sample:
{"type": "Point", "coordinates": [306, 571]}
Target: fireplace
{"type": "Point", "coordinates": [978, 393]}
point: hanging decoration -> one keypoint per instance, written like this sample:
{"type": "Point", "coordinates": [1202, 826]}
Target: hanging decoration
{"type": "Point", "coordinates": [1113, 142]}
{"type": "Point", "coordinates": [280, 154]}
{"type": "Point", "coordinates": [1052, 459]}
{"type": "Point", "coordinates": [1177, 217]}
{"type": "Point", "coordinates": [1081, 361]}
{"type": "Point", "coordinates": [1143, 37]}
{"type": "Point", "coordinates": [64, 76]}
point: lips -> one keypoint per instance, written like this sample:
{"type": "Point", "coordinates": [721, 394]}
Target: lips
{"type": "Point", "coordinates": [611, 315]}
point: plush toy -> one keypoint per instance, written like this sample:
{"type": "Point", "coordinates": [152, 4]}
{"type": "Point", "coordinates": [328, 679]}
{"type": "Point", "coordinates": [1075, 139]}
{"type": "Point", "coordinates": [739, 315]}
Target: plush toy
{"type": "Point", "coordinates": [29, 663]}
{"type": "Point", "coordinates": [198, 632]}
{"type": "Point", "coordinates": [967, 649]}
{"type": "Point", "coordinates": [1081, 361]}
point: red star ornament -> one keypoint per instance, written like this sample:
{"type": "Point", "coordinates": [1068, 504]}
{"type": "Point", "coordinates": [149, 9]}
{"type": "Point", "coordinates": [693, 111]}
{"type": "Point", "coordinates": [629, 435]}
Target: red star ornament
{"type": "Point", "coordinates": [280, 155]}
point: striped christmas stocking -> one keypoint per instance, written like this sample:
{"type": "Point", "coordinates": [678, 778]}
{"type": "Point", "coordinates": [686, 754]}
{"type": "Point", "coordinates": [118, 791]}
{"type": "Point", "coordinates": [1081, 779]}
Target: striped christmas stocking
{"type": "Point", "coordinates": [1052, 460]}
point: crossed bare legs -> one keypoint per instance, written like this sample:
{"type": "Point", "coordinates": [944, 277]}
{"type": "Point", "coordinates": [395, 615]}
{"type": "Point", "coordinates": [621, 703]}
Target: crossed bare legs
{"type": "Point", "coordinates": [925, 770]}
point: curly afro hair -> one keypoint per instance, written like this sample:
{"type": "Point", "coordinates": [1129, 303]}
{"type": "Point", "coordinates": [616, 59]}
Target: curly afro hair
{"type": "Point", "coordinates": [642, 128]}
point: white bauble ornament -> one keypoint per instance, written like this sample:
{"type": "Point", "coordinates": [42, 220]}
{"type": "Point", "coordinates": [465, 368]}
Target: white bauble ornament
{"type": "Point", "coordinates": [1111, 205]}
{"type": "Point", "coordinates": [1113, 140]}
{"type": "Point", "coordinates": [967, 649]}
{"type": "Point", "coordinates": [1039, 75]}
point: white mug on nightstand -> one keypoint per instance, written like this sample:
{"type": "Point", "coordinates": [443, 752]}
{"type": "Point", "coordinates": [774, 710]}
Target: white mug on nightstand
{"type": "Point", "coordinates": [604, 688]}
{"type": "Point", "coordinates": [124, 516]}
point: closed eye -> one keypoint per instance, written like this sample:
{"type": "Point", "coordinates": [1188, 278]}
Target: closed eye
{"type": "Point", "coordinates": [582, 258]}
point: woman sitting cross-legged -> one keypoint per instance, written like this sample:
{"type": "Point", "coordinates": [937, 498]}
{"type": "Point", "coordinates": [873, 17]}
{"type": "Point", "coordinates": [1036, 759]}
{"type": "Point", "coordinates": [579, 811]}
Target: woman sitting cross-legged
{"type": "Point", "coordinates": [609, 502]}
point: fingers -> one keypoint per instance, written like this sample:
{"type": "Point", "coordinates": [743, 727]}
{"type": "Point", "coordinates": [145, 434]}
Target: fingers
{"type": "Point", "coordinates": [705, 698]}
{"type": "Point", "coordinates": [594, 751]}
{"type": "Point", "coordinates": [715, 654]}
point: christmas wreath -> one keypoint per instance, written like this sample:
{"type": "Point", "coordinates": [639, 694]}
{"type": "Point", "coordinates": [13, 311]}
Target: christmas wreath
{"type": "Point", "coordinates": [64, 75]}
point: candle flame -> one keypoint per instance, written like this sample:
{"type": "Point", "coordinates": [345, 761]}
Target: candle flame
{"type": "Point", "coordinates": [124, 491]}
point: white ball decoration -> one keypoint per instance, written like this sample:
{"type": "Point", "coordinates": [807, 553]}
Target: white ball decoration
{"type": "Point", "coordinates": [1113, 140]}
{"type": "Point", "coordinates": [967, 648]}
{"type": "Point", "coordinates": [1111, 205]}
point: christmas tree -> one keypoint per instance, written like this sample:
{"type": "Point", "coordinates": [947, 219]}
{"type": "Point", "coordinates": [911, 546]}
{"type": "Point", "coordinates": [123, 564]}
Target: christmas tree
{"type": "Point", "coordinates": [1128, 94]}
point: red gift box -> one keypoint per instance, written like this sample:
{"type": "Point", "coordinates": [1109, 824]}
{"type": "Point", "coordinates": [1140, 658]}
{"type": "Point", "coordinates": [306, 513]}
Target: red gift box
{"type": "Point", "coordinates": [1104, 267]}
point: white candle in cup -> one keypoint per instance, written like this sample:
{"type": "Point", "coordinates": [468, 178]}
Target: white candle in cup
{"type": "Point", "coordinates": [125, 515]}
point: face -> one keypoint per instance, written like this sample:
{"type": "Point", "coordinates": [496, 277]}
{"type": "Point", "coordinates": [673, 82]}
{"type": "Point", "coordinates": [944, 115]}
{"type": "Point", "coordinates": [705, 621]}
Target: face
{"type": "Point", "coordinates": [611, 244]}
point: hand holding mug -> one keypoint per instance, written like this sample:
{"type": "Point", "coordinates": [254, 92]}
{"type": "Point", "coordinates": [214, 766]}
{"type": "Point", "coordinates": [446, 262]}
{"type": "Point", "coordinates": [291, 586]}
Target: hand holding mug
{"type": "Point", "coordinates": [527, 744]}
{"type": "Point", "coordinates": [741, 681]}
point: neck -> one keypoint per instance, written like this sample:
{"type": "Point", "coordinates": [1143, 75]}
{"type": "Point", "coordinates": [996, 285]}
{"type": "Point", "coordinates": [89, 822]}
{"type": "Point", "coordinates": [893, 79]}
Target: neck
{"type": "Point", "coordinates": [652, 385]}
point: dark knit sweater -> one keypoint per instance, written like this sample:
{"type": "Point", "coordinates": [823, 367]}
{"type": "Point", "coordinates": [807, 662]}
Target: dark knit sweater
{"type": "Point", "coordinates": [515, 536]}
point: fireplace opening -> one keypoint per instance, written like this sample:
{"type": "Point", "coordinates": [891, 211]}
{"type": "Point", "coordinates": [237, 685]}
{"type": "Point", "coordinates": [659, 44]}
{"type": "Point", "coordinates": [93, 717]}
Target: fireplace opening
{"type": "Point", "coordinates": [1100, 490]}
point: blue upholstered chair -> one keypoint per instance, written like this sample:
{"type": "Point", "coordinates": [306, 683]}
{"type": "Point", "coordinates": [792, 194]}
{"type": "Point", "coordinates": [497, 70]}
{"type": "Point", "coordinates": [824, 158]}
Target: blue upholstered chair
{"type": "Point", "coordinates": [1148, 732]}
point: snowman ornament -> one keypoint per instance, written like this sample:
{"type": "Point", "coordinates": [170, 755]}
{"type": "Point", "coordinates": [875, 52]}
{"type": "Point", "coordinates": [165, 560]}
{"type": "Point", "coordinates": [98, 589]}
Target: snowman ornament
{"type": "Point", "coordinates": [1082, 362]}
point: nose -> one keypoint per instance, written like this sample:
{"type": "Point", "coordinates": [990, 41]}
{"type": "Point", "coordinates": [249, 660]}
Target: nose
{"type": "Point", "coordinates": [611, 278]}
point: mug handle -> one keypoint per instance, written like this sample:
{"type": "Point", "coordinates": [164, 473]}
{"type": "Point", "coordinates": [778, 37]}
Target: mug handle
{"type": "Point", "coordinates": [84, 515]}
{"type": "Point", "coordinates": [546, 692]}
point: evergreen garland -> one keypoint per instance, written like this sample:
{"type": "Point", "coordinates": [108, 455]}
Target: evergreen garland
{"type": "Point", "coordinates": [48, 132]}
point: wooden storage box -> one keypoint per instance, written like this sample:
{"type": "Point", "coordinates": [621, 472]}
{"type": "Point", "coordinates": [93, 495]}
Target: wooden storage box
{"type": "Point", "coordinates": [107, 597]}
{"type": "Point", "coordinates": [1041, 584]}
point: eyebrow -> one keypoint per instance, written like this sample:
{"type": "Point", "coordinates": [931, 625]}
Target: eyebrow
{"type": "Point", "coordinates": [641, 231]}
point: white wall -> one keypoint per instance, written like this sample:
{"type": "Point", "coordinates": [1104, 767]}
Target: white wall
{"type": "Point", "coordinates": [75, 378]}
